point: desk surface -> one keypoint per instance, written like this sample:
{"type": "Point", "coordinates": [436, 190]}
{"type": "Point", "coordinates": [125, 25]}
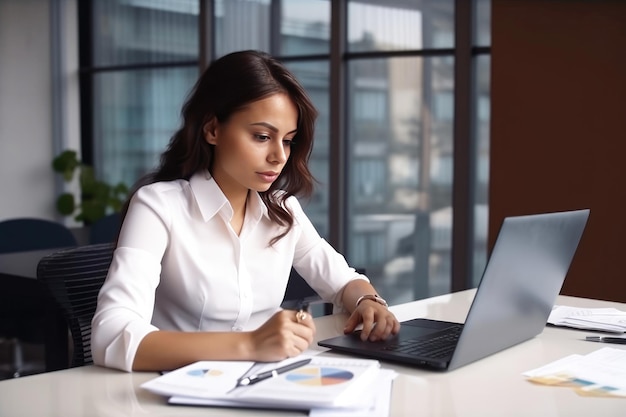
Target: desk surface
{"type": "Point", "coordinates": [492, 386]}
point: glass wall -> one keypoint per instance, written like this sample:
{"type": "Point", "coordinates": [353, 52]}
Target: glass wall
{"type": "Point", "coordinates": [145, 55]}
{"type": "Point", "coordinates": [314, 76]}
{"type": "Point", "coordinates": [242, 24]}
{"type": "Point", "coordinates": [401, 113]}
{"type": "Point", "coordinates": [137, 112]}
{"type": "Point", "coordinates": [398, 97]}
{"type": "Point", "coordinates": [400, 155]}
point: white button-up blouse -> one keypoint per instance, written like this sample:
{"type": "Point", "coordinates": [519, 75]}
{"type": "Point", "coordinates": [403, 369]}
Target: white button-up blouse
{"type": "Point", "coordinates": [180, 266]}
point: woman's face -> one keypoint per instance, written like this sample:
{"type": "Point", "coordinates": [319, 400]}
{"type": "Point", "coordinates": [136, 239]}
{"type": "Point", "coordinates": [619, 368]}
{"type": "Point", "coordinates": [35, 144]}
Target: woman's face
{"type": "Point", "coordinates": [253, 145]}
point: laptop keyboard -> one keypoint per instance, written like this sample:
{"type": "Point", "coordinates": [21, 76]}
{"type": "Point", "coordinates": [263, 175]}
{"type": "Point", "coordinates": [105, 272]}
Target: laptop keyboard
{"type": "Point", "coordinates": [436, 347]}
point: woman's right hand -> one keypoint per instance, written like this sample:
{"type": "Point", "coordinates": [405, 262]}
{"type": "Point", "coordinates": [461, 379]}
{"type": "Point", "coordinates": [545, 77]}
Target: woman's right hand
{"type": "Point", "coordinates": [283, 336]}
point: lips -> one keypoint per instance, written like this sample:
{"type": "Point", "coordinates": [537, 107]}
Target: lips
{"type": "Point", "coordinates": [268, 176]}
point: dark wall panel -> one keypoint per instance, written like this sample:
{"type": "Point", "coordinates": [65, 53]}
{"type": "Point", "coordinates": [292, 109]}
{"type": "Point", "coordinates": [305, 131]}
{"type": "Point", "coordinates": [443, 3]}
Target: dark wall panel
{"type": "Point", "coordinates": [559, 127]}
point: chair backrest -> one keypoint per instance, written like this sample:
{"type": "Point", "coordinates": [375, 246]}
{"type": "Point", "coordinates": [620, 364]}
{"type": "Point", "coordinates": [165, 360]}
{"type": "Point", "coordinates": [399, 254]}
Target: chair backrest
{"type": "Point", "coordinates": [106, 229]}
{"type": "Point", "coordinates": [299, 290]}
{"type": "Point", "coordinates": [25, 233]}
{"type": "Point", "coordinates": [73, 278]}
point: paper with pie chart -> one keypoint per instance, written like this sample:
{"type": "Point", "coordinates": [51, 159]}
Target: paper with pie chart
{"type": "Point", "coordinates": [323, 382]}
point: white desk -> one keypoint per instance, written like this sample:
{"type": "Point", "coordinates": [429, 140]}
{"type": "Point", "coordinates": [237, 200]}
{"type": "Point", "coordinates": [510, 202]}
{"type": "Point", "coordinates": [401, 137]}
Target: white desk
{"type": "Point", "coordinates": [492, 386]}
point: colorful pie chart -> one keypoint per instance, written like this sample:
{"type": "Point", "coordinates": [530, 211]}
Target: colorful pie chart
{"type": "Point", "coordinates": [204, 372]}
{"type": "Point", "coordinates": [319, 376]}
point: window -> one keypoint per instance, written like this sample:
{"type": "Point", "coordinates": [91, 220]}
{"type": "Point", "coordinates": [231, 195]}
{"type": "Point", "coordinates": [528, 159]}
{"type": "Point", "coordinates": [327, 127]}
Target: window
{"type": "Point", "coordinates": [397, 84]}
{"type": "Point", "coordinates": [141, 62]}
{"type": "Point", "coordinates": [371, 106]}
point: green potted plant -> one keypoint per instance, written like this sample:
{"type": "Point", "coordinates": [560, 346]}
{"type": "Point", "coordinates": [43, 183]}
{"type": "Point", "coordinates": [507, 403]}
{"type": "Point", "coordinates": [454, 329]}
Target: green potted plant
{"type": "Point", "coordinates": [97, 198]}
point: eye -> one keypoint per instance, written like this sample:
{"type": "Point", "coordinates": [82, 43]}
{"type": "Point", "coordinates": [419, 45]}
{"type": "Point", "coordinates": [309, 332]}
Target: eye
{"type": "Point", "coordinates": [261, 137]}
{"type": "Point", "coordinates": [288, 142]}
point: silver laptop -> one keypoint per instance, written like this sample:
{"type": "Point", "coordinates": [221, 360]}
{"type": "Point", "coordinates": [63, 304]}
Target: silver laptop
{"type": "Point", "coordinates": [521, 281]}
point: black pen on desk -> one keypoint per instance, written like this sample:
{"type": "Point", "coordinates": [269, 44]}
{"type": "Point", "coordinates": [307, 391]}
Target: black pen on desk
{"type": "Point", "coordinates": [607, 339]}
{"type": "Point", "coordinates": [253, 379]}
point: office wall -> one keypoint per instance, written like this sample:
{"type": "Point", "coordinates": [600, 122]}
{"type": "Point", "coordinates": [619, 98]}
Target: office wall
{"type": "Point", "coordinates": [558, 134]}
{"type": "Point", "coordinates": [27, 145]}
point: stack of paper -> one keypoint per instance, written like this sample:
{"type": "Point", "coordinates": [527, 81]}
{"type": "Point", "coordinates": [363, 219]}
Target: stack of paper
{"type": "Point", "coordinates": [600, 374]}
{"type": "Point", "coordinates": [346, 385]}
{"type": "Point", "coordinates": [604, 319]}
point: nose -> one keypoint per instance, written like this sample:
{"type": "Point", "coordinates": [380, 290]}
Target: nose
{"type": "Point", "coordinates": [278, 153]}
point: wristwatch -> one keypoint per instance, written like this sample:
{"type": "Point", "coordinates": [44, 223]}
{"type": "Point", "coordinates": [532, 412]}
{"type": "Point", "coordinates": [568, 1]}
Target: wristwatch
{"type": "Point", "coordinates": [373, 297]}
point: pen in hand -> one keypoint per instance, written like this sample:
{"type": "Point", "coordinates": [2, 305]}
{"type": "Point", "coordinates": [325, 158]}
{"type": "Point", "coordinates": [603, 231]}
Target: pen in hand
{"type": "Point", "coordinates": [253, 379]}
{"type": "Point", "coordinates": [303, 309]}
{"type": "Point", "coordinates": [607, 339]}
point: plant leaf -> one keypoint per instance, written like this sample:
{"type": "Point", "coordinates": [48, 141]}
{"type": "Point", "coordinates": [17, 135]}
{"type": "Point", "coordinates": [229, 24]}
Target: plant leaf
{"type": "Point", "coordinates": [65, 164]}
{"type": "Point", "coordinates": [66, 204]}
{"type": "Point", "coordinates": [92, 211]}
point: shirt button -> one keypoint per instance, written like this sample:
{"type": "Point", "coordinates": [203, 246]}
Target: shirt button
{"type": "Point", "coordinates": [237, 328]}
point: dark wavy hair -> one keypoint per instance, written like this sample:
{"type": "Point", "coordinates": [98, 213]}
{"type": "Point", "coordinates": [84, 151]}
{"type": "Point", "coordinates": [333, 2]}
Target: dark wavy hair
{"type": "Point", "coordinates": [226, 86]}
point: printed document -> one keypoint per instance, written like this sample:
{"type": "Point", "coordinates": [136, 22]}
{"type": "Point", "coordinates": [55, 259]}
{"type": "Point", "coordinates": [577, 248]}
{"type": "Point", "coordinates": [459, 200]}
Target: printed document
{"type": "Point", "coordinates": [603, 319]}
{"type": "Point", "coordinates": [325, 382]}
{"type": "Point", "coordinates": [601, 373]}
{"type": "Point", "coordinates": [374, 402]}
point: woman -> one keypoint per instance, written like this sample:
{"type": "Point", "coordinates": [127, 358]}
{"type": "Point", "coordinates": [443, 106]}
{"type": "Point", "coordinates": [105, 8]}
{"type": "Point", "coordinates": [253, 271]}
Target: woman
{"type": "Point", "coordinates": [207, 243]}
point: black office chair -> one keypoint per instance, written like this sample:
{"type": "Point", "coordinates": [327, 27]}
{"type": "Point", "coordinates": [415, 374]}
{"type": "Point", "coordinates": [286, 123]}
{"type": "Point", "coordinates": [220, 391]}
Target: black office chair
{"type": "Point", "coordinates": [299, 290]}
{"type": "Point", "coordinates": [73, 278]}
{"type": "Point", "coordinates": [23, 234]}
{"type": "Point", "coordinates": [106, 229]}
{"type": "Point", "coordinates": [21, 307]}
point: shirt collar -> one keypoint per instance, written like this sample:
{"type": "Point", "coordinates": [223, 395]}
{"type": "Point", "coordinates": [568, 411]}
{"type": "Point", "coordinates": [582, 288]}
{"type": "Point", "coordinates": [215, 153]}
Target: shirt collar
{"type": "Point", "coordinates": [211, 200]}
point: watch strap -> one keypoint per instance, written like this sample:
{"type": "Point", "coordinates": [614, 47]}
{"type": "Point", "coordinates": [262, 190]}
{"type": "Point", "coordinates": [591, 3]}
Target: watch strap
{"type": "Point", "coordinates": [373, 297]}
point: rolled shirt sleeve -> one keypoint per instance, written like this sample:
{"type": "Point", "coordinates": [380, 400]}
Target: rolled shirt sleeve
{"type": "Point", "coordinates": [126, 300]}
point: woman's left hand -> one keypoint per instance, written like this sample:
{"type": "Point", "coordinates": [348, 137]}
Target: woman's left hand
{"type": "Point", "coordinates": [378, 322]}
